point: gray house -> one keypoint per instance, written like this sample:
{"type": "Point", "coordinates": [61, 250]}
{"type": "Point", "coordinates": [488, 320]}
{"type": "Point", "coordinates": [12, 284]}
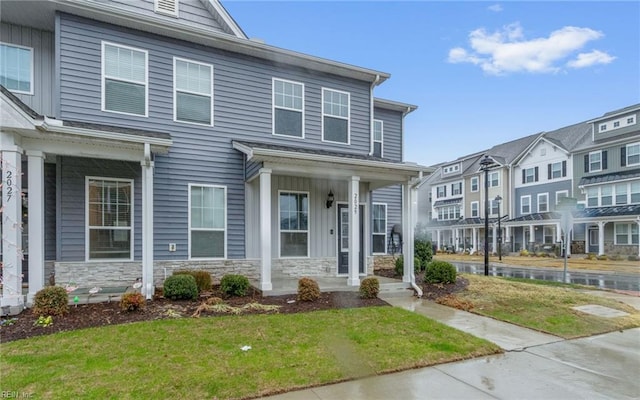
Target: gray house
{"type": "Point", "coordinates": [138, 138]}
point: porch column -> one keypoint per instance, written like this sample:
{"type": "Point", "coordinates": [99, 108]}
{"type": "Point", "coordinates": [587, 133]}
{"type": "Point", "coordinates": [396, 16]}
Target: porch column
{"type": "Point", "coordinates": [148, 287]}
{"type": "Point", "coordinates": [265, 229]}
{"type": "Point", "coordinates": [494, 239]}
{"type": "Point", "coordinates": [507, 237]}
{"type": "Point", "coordinates": [11, 225]}
{"type": "Point", "coordinates": [638, 222]}
{"type": "Point", "coordinates": [407, 233]}
{"type": "Point", "coordinates": [36, 222]}
{"type": "Point", "coordinates": [474, 245]}
{"type": "Point", "coordinates": [601, 237]}
{"type": "Point", "coordinates": [532, 237]}
{"type": "Point", "coordinates": [354, 231]}
{"type": "Point", "coordinates": [559, 233]}
{"type": "Point", "coordinates": [438, 238]}
{"type": "Point", "coordinates": [456, 239]}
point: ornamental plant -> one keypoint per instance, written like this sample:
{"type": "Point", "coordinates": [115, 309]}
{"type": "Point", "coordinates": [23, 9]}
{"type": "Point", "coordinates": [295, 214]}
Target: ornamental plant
{"type": "Point", "coordinates": [202, 277]}
{"type": "Point", "coordinates": [234, 285]}
{"type": "Point", "coordinates": [51, 300]}
{"type": "Point", "coordinates": [369, 288]}
{"type": "Point", "coordinates": [308, 290]}
{"type": "Point", "coordinates": [132, 301]}
{"type": "Point", "coordinates": [181, 286]}
{"type": "Point", "coordinates": [440, 272]}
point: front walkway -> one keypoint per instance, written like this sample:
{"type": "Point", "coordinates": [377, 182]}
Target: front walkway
{"type": "Point", "coordinates": [283, 284]}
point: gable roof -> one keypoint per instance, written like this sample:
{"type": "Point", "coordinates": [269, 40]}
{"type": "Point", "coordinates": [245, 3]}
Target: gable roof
{"type": "Point", "coordinates": [222, 16]}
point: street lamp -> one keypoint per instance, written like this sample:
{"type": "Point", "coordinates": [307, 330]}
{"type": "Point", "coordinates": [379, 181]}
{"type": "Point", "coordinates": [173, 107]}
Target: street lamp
{"type": "Point", "coordinates": [485, 164]}
{"type": "Point", "coordinates": [498, 199]}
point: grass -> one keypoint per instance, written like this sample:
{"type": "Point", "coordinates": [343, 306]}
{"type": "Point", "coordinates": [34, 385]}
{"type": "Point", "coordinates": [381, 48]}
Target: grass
{"type": "Point", "coordinates": [547, 308]}
{"type": "Point", "coordinates": [573, 263]}
{"type": "Point", "coordinates": [202, 358]}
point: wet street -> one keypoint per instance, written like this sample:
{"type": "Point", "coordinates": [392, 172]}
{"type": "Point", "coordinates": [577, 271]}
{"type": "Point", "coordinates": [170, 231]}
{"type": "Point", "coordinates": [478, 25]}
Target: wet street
{"type": "Point", "coordinates": [597, 279]}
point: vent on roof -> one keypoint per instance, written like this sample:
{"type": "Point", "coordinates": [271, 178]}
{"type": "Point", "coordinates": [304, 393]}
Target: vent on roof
{"type": "Point", "coordinates": [169, 7]}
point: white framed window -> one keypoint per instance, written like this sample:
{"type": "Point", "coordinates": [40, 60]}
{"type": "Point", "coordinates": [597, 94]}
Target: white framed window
{"type": "Point", "coordinates": [606, 195]}
{"type": "Point", "coordinates": [603, 127]}
{"type": "Point", "coordinates": [494, 179]}
{"type": "Point", "coordinates": [593, 197]}
{"type": "Point", "coordinates": [109, 208]}
{"type": "Point", "coordinates": [335, 116]}
{"type": "Point", "coordinates": [547, 234]}
{"type": "Point", "coordinates": [595, 161]}
{"type": "Point", "coordinates": [543, 202]}
{"type": "Point", "coordinates": [634, 192]}
{"type": "Point", "coordinates": [557, 170]}
{"type": "Point", "coordinates": [167, 7]}
{"type": "Point", "coordinates": [530, 175]}
{"type": "Point", "coordinates": [288, 108]}
{"type": "Point", "coordinates": [632, 156]}
{"type": "Point", "coordinates": [626, 233]}
{"type": "Point", "coordinates": [192, 92]}
{"type": "Point", "coordinates": [379, 231]}
{"type": "Point", "coordinates": [124, 79]}
{"type": "Point", "coordinates": [451, 169]}
{"type": "Point", "coordinates": [207, 221]}
{"type": "Point", "coordinates": [495, 207]}
{"type": "Point", "coordinates": [294, 224]}
{"type": "Point", "coordinates": [441, 191]}
{"type": "Point", "coordinates": [525, 204]}
{"type": "Point", "coordinates": [474, 184]}
{"type": "Point", "coordinates": [456, 188]}
{"type": "Point", "coordinates": [449, 212]}
{"type": "Point", "coordinates": [560, 194]}
{"type": "Point", "coordinates": [631, 120]}
{"type": "Point", "coordinates": [475, 209]}
{"type": "Point", "coordinates": [621, 194]}
{"type": "Point", "coordinates": [16, 68]}
{"type": "Point", "coordinates": [378, 135]}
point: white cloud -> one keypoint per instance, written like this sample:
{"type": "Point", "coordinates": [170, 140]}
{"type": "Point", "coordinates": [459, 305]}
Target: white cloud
{"type": "Point", "coordinates": [588, 59]}
{"type": "Point", "coordinates": [495, 8]}
{"type": "Point", "coordinates": [507, 50]}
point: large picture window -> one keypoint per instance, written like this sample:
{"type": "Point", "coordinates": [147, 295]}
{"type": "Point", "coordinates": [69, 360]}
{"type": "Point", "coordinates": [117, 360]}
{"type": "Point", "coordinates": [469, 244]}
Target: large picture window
{"type": "Point", "coordinates": [294, 224]}
{"type": "Point", "coordinates": [110, 218]}
{"type": "Point", "coordinates": [193, 92]}
{"type": "Point", "coordinates": [379, 228]}
{"type": "Point", "coordinates": [626, 233]}
{"type": "Point", "coordinates": [335, 116]}
{"type": "Point", "coordinates": [288, 108]}
{"type": "Point", "coordinates": [124, 79]}
{"type": "Point", "coordinates": [207, 221]}
{"type": "Point", "coordinates": [16, 68]}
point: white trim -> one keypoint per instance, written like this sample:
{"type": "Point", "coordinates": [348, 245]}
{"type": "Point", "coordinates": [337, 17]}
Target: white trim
{"type": "Point", "coordinates": [159, 10]}
{"type": "Point", "coordinates": [629, 233]}
{"type": "Point", "coordinates": [103, 78]}
{"type": "Point", "coordinates": [521, 205]}
{"type": "Point", "coordinates": [273, 108]}
{"type": "Point", "coordinates": [308, 231]}
{"type": "Point", "coordinates": [627, 155]}
{"type": "Point", "coordinates": [556, 163]}
{"type": "Point", "coordinates": [526, 175]}
{"type": "Point", "coordinates": [477, 179]}
{"type": "Point", "coordinates": [373, 138]}
{"type": "Point", "coordinates": [386, 222]}
{"type": "Point", "coordinates": [226, 226]}
{"type": "Point", "coordinates": [348, 118]}
{"type": "Point", "coordinates": [87, 241]}
{"type": "Point", "coordinates": [491, 180]}
{"type": "Point", "coordinates": [561, 192]}
{"type": "Point", "coordinates": [477, 214]}
{"type": "Point", "coordinates": [593, 153]}
{"type": "Point", "coordinates": [33, 67]}
{"type": "Point", "coordinates": [175, 92]}
{"type": "Point", "coordinates": [538, 201]}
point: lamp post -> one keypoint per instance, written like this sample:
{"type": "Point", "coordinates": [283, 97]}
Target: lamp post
{"type": "Point", "coordinates": [498, 199]}
{"type": "Point", "coordinates": [485, 163]}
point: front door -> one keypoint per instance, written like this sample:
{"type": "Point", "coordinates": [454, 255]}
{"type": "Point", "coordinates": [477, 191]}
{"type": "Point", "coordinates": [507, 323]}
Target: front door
{"type": "Point", "coordinates": [593, 240]}
{"type": "Point", "coordinates": [343, 239]}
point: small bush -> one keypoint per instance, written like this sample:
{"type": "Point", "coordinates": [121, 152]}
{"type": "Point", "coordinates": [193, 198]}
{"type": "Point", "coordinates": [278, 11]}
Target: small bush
{"type": "Point", "coordinates": [417, 265]}
{"type": "Point", "coordinates": [234, 285]}
{"type": "Point", "coordinates": [132, 302]}
{"type": "Point", "coordinates": [308, 290]}
{"type": "Point", "coordinates": [440, 272]}
{"type": "Point", "coordinates": [633, 258]}
{"type": "Point", "coordinates": [602, 257]}
{"type": "Point", "coordinates": [203, 278]}
{"type": "Point", "coordinates": [591, 256]}
{"type": "Point", "coordinates": [423, 251]}
{"type": "Point", "coordinates": [51, 300]}
{"type": "Point", "coordinates": [399, 266]}
{"type": "Point", "coordinates": [369, 288]}
{"type": "Point", "coordinates": [180, 286]}
{"type": "Point", "coordinates": [524, 253]}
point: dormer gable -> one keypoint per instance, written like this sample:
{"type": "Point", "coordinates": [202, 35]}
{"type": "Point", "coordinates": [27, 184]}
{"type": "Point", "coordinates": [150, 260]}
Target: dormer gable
{"type": "Point", "coordinates": [616, 124]}
{"type": "Point", "coordinates": [451, 169]}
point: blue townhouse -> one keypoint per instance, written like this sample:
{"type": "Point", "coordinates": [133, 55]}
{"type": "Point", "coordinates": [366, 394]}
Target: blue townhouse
{"type": "Point", "coordinates": [142, 137]}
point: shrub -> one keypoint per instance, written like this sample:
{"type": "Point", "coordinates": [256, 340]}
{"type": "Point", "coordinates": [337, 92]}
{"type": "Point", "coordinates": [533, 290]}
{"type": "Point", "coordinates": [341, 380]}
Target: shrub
{"type": "Point", "coordinates": [633, 258]}
{"type": "Point", "coordinates": [524, 253]}
{"type": "Point", "coordinates": [234, 285]}
{"type": "Point", "coordinates": [369, 288]}
{"type": "Point", "coordinates": [591, 256]}
{"type": "Point", "coordinates": [440, 272]}
{"type": "Point", "coordinates": [202, 277]}
{"type": "Point", "coordinates": [602, 257]}
{"type": "Point", "coordinates": [424, 251]}
{"type": "Point", "coordinates": [417, 265]}
{"type": "Point", "coordinates": [180, 286]}
{"type": "Point", "coordinates": [132, 301]}
{"type": "Point", "coordinates": [51, 300]}
{"type": "Point", "coordinates": [399, 267]}
{"type": "Point", "coordinates": [308, 290]}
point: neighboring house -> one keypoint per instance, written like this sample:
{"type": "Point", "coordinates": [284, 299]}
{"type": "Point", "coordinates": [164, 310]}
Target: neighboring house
{"type": "Point", "coordinates": [155, 135]}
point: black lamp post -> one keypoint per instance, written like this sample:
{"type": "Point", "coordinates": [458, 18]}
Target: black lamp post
{"type": "Point", "coordinates": [498, 199]}
{"type": "Point", "coordinates": [485, 163]}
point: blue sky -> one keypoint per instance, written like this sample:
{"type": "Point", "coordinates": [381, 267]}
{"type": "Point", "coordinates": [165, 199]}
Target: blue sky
{"type": "Point", "coordinates": [481, 73]}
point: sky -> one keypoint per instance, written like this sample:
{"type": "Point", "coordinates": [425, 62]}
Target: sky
{"type": "Point", "coordinates": [481, 73]}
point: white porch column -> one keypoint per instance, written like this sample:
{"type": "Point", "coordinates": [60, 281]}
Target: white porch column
{"type": "Point", "coordinates": [438, 238]}
{"type": "Point", "coordinates": [532, 236]}
{"type": "Point", "coordinates": [456, 238]}
{"type": "Point", "coordinates": [638, 222]}
{"type": "Point", "coordinates": [148, 286]}
{"type": "Point", "coordinates": [11, 225]}
{"type": "Point", "coordinates": [601, 237]}
{"type": "Point", "coordinates": [559, 233]}
{"type": "Point", "coordinates": [407, 234]}
{"type": "Point", "coordinates": [474, 245]}
{"type": "Point", "coordinates": [507, 236]}
{"type": "Point", "coordinates": [36, 222]}
{"type": "Point", "coordinates": [265, 229]}
{"type": "Point", "coordinates": [354, 231]}
{"type": "Point", "coordinates": [494, 239]}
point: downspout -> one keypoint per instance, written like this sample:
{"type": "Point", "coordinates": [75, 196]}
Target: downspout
{"type": "Point", "coordinates": [371, 116]}
{"type": "Point", "coordinates": [414, 214]}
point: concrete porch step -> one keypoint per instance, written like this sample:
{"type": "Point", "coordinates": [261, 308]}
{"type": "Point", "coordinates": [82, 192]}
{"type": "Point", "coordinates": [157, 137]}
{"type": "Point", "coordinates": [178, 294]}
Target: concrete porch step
{"type": "Point", "coordinates": [399, 289]}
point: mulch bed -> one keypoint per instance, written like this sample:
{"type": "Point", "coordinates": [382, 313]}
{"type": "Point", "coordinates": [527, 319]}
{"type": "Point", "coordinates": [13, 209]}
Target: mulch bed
{"type": "Point", "coordinates": [101, 314]}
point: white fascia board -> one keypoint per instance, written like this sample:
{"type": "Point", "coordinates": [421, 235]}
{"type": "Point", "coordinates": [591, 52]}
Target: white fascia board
{"type": "Point", "coordinates": [97, 134]}
{"type": "Point", "coordinates": [624, 112]}
{"type": "Point", "coordinates": [228, 19]}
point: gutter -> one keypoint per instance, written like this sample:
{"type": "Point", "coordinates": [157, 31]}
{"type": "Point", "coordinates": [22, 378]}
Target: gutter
{"type": "Point", "coordinates": [371, 113]}
{"type": "Point", "coordinates": [414, 185]}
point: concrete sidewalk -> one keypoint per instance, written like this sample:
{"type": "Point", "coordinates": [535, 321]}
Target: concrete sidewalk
{"type": "Point", "coordinates": [534, 366]}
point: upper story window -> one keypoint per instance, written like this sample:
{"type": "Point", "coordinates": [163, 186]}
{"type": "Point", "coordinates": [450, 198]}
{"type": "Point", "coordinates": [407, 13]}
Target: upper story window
{"type": "Point", "coordinates": [630, 155]}
{"type": "Point", "coordinates": [456, 188]}
{"type": "Point", "coordinates": [441, 191]}
{"type": "Point", "coordinates": [207, 221]}
{"type": "Point", "coordinates": [449, 213]}
{"type": "Point", "coordinates": [603, 127]}
{"type": "Point", "coordinates": [288, 108]}
{"type": "Point", "coordinates": [592, 197]}
{"type": "Point", "coordinates": [16, 68]}
{"type": "Point", "coordinates": [475, 209]}
{"type": "Point", "coordinates": [474, 184]}
{"type": "Point", "coordinates": [168, 7]}
{"type": "Point", "coordinates": [451, 169]}
{"type": "Point", "coordinates": [193, 92]}
{"type": "Point", "coordinates": [378, 131]}
{"type": "Point", "coordinates": [613, 194]}
{"type": "Point", "coordinates": [621, 194]}
{"type": "Point", "coordinates": [543, 202]}
{"type": "Point", "coordinates": [335, 116]}
{"type": "Point", "coordinates": [530, 175]}
{"type": "Point", "coordinates": [494, 179]}
{"type": "Point", "coordinates": [525, 205]}
{"type": "Point", "coordinates": [616, 124]}
{"type": "Point", "coordinates": [124, 79]}
{"type": "Point", "coordinates": [595, 161]}
{"type": "Point", "coordinates": [557, 170]}
{"type": "Point", "coordinates": [560, 195]}
{"type": "Point", "coordinates": [606, 195]}
{"type": "Point", "coordinates": [494, 206]}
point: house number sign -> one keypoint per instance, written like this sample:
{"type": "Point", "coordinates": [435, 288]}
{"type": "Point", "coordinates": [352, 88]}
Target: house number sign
{"type": "Point", "coordinates": [355, 204]}
{"type": "Point", "coordinates": [9, 183]}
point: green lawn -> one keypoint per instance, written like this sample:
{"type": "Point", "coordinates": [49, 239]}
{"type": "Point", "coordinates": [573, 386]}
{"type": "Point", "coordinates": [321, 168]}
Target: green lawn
{"type": "Point", "coordinates": [202, 358]}
{"type": "Point", "coordinates": [543, 307]}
